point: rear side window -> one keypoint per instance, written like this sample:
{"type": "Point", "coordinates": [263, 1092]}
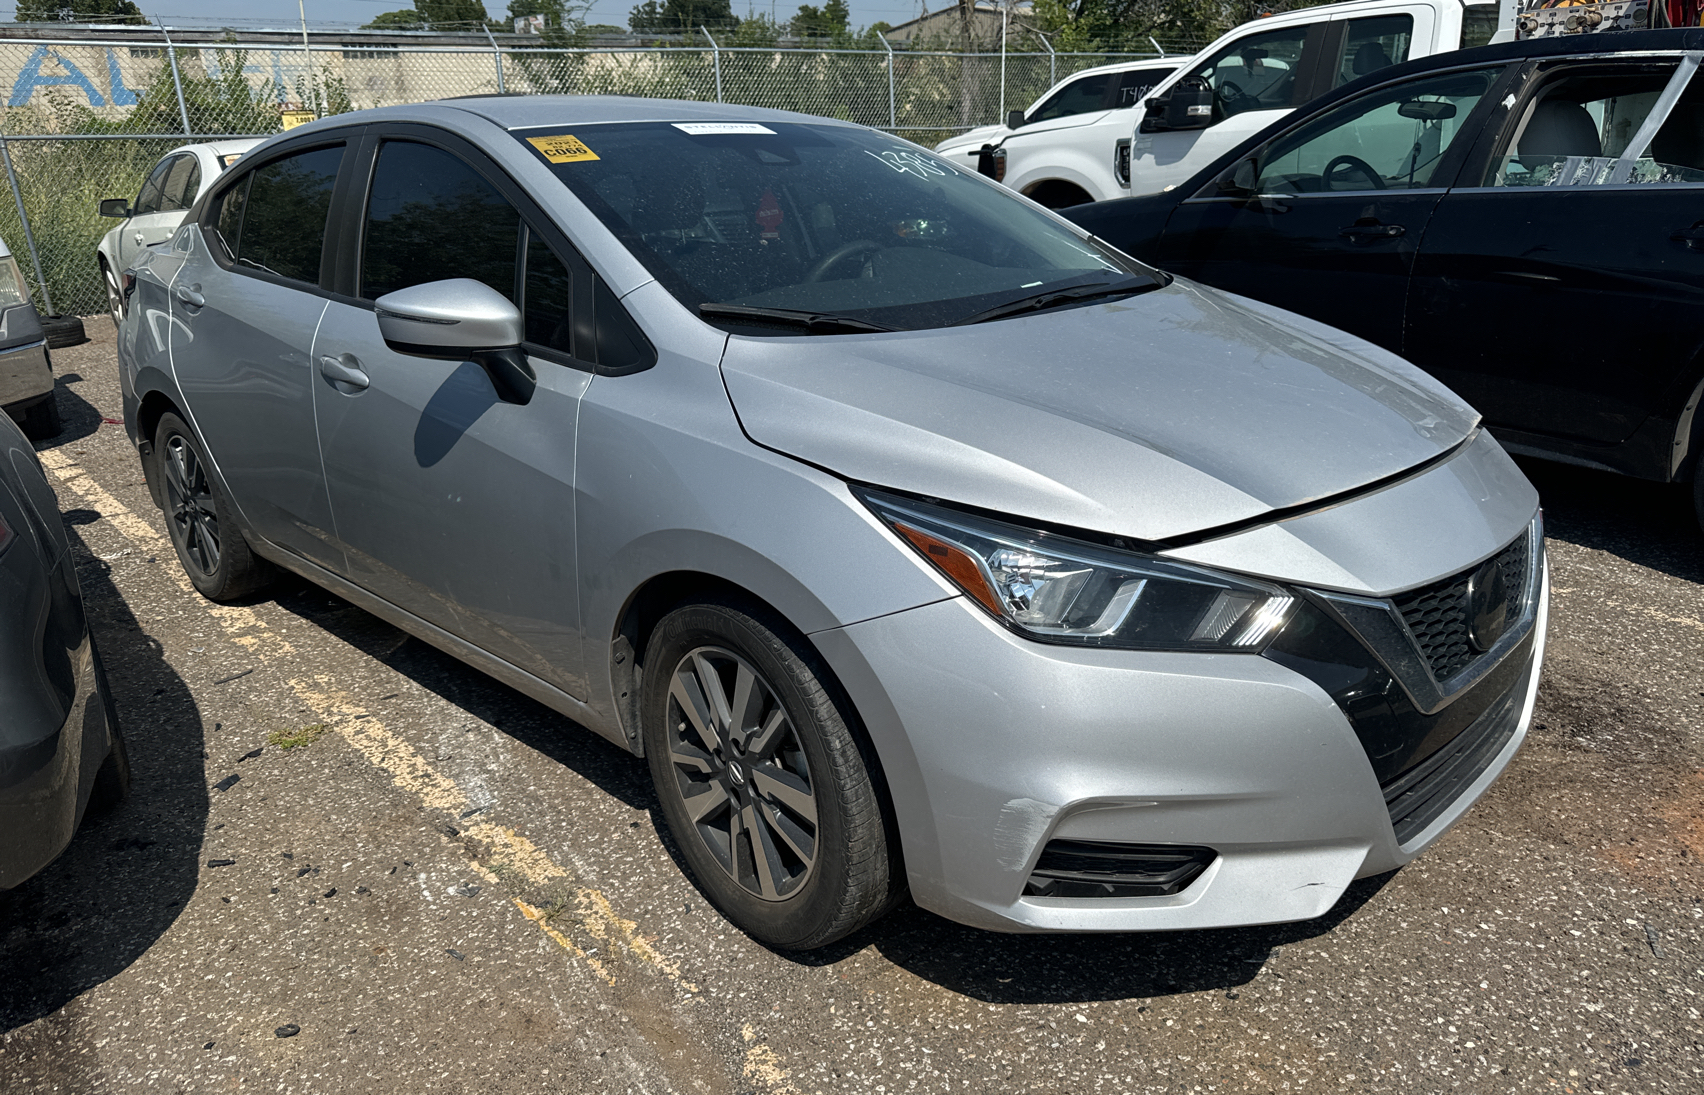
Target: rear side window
{"type": "Point", "coordinates": [283, 216]}
{"type": "Point", "coordinates": [430, 217]}
{"type": "Point", "coordinates": [1584, 129]}
{"type": "Point", "coordinates": [181, 180]}
{"type": "Point", "coordinates": [1372, 44]}
{"type": "Point", "coordinates": [148, 200]}
{"type": "Point", "coordinates": [1076, 97]}
{"type": "Point", "coordinates": [1133, 87]}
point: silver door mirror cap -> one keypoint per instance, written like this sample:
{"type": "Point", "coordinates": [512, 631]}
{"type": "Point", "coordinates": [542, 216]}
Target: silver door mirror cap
{"type": "Point", "coordinates": [451, 317]}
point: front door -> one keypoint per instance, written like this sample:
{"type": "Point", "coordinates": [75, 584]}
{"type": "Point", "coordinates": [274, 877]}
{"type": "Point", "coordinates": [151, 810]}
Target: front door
{"type": "Point", "coordinates": [1560, 291]}
{"type": "Point", "coordinates": [452, 504]}
{"type": "Point", "coordinates": [159, 207]}
{"type": "Point", "coordinates": [244, 307]}
{"type": "Point", "coordinates": [1325, 220]}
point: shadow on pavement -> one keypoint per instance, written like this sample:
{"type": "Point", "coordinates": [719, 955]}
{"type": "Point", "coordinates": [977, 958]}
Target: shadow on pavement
{"type": "Point", "coordinates": [125, 876]}
{"type": "Point", "coordinates": [79, 416]}
{"type": "Point", "coordinates": [1651, 524]}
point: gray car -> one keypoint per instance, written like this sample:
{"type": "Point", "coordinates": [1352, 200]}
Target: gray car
{"type": "Point", "coordinates": [917, 540]}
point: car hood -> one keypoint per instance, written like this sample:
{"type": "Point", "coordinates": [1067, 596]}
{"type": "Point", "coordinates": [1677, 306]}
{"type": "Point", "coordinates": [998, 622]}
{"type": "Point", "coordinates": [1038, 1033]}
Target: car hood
{"type": "Point", "coordinates": [972, 138]}
{"type": "Point", "coordinates": [1154, 417]}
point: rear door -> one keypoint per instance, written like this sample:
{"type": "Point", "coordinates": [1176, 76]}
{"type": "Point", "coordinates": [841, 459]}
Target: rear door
{"type": "Point", "coordinates": [452, 504]}
{"type": "Point", "coordinates": [159, 207]}
{"type": "Point", "coordinates": [1325, 219]}
{"type": "Point", "coordinates": [1561, 292]}
{"type": "Point", "coordinates": [244, 308]}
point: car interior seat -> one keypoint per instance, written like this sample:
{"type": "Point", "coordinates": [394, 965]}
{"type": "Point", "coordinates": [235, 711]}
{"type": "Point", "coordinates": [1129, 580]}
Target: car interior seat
{"type": "Point", "coordinates": [1370, 58]}
{"type": "Point", "coordinates": [1557, 128]}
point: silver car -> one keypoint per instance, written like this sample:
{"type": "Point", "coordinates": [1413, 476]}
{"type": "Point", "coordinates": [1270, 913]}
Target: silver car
{"type": "Point", "coordinates": [916, 540]}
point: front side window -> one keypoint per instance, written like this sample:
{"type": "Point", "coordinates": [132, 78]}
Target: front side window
{"type": "Point", "coordinates": [1372, 44]}
{"type": "Point", "coordinates": [1256, 73]}
{"type": "Point", "coordinates": [1077, 97]}
{"type": "Point", "coordinates": [1580, 129]}
{"type": "Point", "coordinates": [1391, 139]}
{"type": "Point", "coordinates": [148, 200]}
{"type": "Point", "coordinates": [283, 219]}
{"type": "Point", "coordinates": [431, 217]}
{"type": "Point", "coordinates": [1135, 87]}
{"type": "Point", "coordinates": [817, 218]}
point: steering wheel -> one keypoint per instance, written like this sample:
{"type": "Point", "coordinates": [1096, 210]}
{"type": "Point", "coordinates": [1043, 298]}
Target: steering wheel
{"type": "Point", "coordinates": [822, 266]}
{"type": "Point", "coordinates": [1233, 99]}
{"type": "Point", "coordinates": [1355, 162]}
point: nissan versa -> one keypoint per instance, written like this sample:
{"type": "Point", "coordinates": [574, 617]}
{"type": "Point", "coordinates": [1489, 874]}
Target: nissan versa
{"type": "Point", "coordinates": [916, 540]}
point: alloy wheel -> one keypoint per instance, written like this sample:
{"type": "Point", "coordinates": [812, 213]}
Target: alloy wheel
{"type": "Point", "coordinates": [115, 296]}
{"type": "Point", "coordinates": [189, 506]}
{"type": "Point", "coordinates": [741, 773]}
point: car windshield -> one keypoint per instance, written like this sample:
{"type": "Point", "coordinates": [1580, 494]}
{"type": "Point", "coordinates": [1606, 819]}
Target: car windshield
{"type": "Point", "coordinates": [817, 220]}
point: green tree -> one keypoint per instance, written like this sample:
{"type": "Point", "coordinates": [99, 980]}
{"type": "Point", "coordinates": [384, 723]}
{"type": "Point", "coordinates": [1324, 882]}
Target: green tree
{"type": "Point", "coordinates": [681, 16]}
{"type": "Point", "coordinates": [433, 15]}
{"type": "Point", "coordinates": [79, 11]}
{"type": "Point", "coordinates": [406, 19]}
{"type": "Point", "coordinates": [829, 21]}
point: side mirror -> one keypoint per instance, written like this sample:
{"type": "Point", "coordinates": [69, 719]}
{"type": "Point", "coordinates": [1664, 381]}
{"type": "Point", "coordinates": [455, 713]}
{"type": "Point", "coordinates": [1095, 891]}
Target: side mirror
{"type": "Point", "coordinates": [1014, 119]}
{"type": "Point", "coordinates": [115, 207]}
{"type": "Point", "coordinates": [1189, 104]}
{"type": "Point", "coordinates": [460, 320]}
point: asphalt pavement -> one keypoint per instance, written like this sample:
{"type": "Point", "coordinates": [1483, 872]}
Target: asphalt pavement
{"type": "Point", "coordinates": [351, 863]}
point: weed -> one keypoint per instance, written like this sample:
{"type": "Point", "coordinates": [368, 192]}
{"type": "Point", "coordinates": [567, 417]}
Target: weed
{"type": "Point", "coordinates": [297, 739]}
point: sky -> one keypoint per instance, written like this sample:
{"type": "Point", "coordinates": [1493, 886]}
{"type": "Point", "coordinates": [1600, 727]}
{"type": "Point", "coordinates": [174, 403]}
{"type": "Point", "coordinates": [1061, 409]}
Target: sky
{"type": "Point", "coordinates": [257, 14]}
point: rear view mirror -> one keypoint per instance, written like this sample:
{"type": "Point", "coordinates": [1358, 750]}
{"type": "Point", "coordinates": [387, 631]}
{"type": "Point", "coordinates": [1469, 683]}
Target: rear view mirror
{"type": "Point", "coordinates": [1014, 119]}
{"type": "Point", "coordinates": [1422, 110]}
{"type": "Point", "coordinates": [460, 320]}
{"type": "Point", "coordinates": [115, 207]}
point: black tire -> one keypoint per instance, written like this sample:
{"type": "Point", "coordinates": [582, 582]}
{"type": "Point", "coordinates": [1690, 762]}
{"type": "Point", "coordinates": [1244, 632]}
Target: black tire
{"type": "Point", "coordinates": [112, 782]}
{"type": "Point", "coordinates": [63, 331]}
{"type": "Point", "coordinates": [792, 745]}
{"type": "Point", "coordinates": [209, 544]}
{"type": "Point", "coordinates": [1698, 494]}
{"type": "Point", "coordinates": [42, 421]}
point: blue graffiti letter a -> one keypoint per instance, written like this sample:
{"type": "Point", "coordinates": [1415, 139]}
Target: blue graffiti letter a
{"type": "Point", "coordinates": [31, 78]}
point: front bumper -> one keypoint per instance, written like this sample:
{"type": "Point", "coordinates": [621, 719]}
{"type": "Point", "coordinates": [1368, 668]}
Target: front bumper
{"type": "Point", "coordinates": [25, 374]}
{"type": "Point", "coordinates": [993, 745]}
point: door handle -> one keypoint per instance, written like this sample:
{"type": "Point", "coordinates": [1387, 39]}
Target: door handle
{"type": "Point", "coordinates": [343, 370]}
{"type": "Point", "coordinates": [1371, 231]}
{"type": "Point", "coordinates": [1693, 237]}
{"type": "Point", "coordinates": [190, 295]}
{"type": "Point", "coordinates": [138, 236]}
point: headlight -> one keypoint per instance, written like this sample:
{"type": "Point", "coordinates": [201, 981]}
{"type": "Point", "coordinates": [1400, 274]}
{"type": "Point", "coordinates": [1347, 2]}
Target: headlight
{"type": "Point", "coordinates": [1062, 590]}
{"type": "Point", "coordinates": [12, 289]}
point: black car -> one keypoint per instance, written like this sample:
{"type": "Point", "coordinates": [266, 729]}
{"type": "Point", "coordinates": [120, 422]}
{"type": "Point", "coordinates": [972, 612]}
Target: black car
{"type": "Point", "coordinates": [60, 750]}
{"type": "Point", "coordinates": [1524, 221]}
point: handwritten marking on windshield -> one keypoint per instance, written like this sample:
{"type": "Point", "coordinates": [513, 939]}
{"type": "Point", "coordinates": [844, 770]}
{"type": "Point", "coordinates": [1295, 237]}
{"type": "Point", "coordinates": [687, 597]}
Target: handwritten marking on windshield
{"type": "Point", "coordinates": [908, 163]}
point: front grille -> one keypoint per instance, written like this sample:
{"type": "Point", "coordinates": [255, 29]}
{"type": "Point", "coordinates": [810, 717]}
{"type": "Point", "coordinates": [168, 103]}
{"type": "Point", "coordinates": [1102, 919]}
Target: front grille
{"type": "Point", "coordinates": [1419, 796]}
{"type": "Point", "coordinates": [1437, 614]}
{"type": "Point", "coordinates": [1104, 868]}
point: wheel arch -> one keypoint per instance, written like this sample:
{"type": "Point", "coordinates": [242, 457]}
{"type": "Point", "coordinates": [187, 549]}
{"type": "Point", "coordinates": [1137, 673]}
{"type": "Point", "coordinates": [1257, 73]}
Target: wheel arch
{"type": "Point", "coordinates": [1058, 193]}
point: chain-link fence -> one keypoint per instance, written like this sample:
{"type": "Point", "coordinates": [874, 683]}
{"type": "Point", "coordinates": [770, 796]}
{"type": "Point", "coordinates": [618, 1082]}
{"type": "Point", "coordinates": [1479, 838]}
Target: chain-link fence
{"type": "Point", "coordinates": [87, 119]}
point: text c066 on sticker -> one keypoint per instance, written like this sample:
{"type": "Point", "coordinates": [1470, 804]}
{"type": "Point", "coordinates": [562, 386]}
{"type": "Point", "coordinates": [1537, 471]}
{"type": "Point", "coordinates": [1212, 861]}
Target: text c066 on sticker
{"type": "Point", "coordinates": [565, 148]}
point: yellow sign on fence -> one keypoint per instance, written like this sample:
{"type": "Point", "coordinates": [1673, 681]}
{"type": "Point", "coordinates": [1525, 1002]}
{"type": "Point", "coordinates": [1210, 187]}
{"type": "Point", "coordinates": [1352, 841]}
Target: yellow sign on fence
{"type": "Point", "coordinates": [294, 118]}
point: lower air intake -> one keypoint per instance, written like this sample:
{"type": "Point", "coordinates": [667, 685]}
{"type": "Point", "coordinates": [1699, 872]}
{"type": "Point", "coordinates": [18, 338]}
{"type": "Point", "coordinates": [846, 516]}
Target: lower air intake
{"type": "Point", "coordinates": [1101, 868]}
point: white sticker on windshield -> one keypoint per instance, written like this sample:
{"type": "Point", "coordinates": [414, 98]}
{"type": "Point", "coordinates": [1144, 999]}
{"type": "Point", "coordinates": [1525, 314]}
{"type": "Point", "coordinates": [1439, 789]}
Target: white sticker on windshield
{"type": "Point", "coordinates": [711, 129]}
{"type": "Point", "coordinates": [909, 163]}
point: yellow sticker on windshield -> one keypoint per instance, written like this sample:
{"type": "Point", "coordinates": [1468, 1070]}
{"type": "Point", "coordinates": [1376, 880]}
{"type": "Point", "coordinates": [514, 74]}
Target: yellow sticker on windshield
{"type": "Point", "coordinates": [565, 148]}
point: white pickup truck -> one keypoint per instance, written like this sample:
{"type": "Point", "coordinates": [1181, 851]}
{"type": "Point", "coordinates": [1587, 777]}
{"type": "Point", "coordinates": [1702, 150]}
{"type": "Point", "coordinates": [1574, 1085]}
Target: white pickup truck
{"type": "Point", "coordinates": [1058, 151]}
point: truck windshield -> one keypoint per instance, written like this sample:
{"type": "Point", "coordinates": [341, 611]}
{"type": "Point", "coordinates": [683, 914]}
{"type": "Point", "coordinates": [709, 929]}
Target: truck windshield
{"type": "Point", "coordinates": [828, 220]}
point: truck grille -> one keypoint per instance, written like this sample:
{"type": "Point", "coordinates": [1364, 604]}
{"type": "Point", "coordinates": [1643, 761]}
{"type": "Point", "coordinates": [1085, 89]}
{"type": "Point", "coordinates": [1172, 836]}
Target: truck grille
{"type": "Point", "coordinates": [1437, 614]}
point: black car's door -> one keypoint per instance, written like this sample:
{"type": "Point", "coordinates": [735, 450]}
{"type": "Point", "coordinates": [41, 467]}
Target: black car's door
{"type": "Point", "coordinates": [1324, 219]}
{"type": "Point", "coordinates": [1559, 289]}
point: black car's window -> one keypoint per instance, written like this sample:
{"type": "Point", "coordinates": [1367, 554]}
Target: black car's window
{"type": "Point", "coordinates": [1257, 72]}
{"type": "Point", "coordinates": [1576, 132]}
{"type": "Point", "coordinates": [1077, 97]}
{"type": "Point", "coordinates": [547, 298]}
{"type": "Point", "coordinates": [431, 217]}
{"type": "Point", "coordinates": [283, 222]}
{"type": "Point", "coordinates": [148, 200]}
{"type": "Point", "coordinates": [183, 178]}
{"type": "Point", "coordinates": [1135, 86]}
{"type": "Point", "coordinates": [1390, 139]}
{"type": "Point", "coordinates": [1372, 44]}
{"type": "Point", "coordinates": [816, 217]}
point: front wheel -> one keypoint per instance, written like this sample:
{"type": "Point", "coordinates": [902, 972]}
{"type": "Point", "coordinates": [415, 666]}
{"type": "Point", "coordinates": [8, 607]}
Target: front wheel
{"type": "Point", "coordinates": [208, 542]}
{"type": "Point", "coordinates": [115, 295]}
{"type": "Point", "coordinates": [761, 779]}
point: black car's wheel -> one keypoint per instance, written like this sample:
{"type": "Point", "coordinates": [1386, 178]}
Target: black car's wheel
{"type": "Point", "coordinates": [112, 782]}
{"type": "Point", "coordinates": [760, 777]}
{"type": "Point", "coordinates": [1698, 495]}
{"type": "Point", "coordinates": [208, 542]}
{"type": "Point", "coordinates": [42, 421]}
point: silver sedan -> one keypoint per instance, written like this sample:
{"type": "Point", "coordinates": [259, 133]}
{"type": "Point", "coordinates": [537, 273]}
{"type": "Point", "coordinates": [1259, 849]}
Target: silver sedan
{"type": "Point", "coordinates": [917, 541]}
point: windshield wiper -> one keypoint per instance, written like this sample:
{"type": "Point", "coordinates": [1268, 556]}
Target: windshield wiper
{"type": "Point", "coordinates": [1053, 298]}
{"type": "Point", "coordinates": [813, 323]}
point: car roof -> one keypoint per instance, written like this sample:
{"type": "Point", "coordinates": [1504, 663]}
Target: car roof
{"type": "Point", "coordinates": [528, 111]}
{"type": "Point", "coordinates": [1169, 60]}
